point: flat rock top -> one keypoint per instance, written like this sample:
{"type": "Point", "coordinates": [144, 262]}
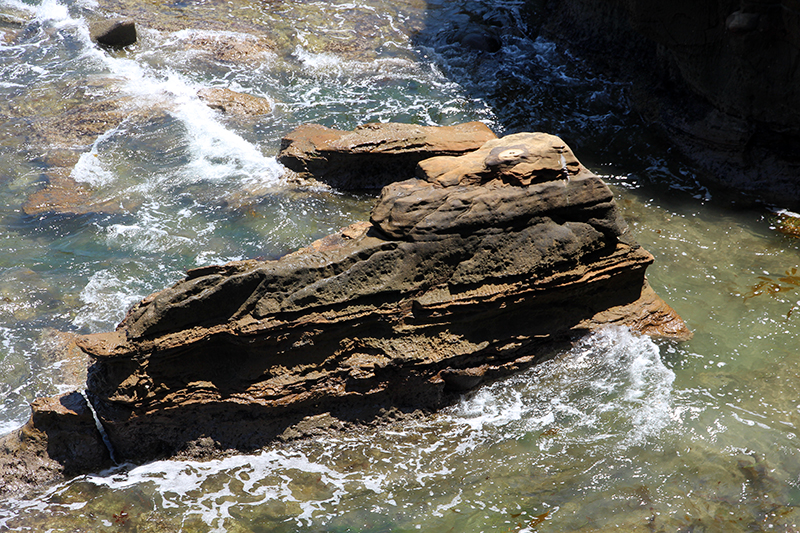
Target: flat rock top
{"type": "Point", "coordinates": [390, 137]}
{"type": "Point", "coordinates": [374, 154]}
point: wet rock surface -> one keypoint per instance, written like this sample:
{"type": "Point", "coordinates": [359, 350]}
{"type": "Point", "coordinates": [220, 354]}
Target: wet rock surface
{"type": "Point", "coordinates": [472, 271]}
{"type": "Point", "coordinates": [374, 154]}
{"type": "Point", "coordinates": [113, 33]}
{"type": "Point", "coordinates": [64, 196]}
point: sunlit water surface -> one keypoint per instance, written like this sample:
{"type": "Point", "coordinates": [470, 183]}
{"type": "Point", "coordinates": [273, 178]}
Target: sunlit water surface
{"type": "Point", "coordinates": [618, 433]}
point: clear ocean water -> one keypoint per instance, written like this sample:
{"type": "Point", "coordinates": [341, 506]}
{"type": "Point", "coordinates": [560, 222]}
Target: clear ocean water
{"type": "Point", "coordinates": [619, 433]}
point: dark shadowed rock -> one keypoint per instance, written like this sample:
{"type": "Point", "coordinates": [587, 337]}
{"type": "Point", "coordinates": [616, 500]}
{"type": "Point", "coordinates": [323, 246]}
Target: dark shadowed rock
{"type": "Point", "coordinates": [720, 77]}
{"type": "Point", "coordinates": [472, 271]}
{"type": "Point", "coordinates": [374, 154]}
{"type": "Point", "coordinates": [113, 33]}
{"type": "Point", "coordinates": [234, 103]}
{"type": "Point", "coordinates": [483, 41]}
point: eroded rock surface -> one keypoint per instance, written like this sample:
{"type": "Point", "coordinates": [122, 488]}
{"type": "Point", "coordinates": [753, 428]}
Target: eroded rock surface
{"type": "Point", "coordinates": [474, 270]}
{"type": "Point", "coordinates": [374, 155]}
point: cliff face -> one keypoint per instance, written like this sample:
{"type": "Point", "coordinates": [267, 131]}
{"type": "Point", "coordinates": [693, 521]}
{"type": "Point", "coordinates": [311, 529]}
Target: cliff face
{"type": "Point", "coordinates": [721, 76]}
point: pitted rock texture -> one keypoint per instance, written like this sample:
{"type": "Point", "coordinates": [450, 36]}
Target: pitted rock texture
{"type": "Point", "coordinates": [455, 280]}
{"type": "Point", "coordinates": [374, 155]}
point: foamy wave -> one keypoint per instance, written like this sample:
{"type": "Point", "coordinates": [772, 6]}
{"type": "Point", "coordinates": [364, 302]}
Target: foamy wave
{"type": "Point", "coordinates": [263, 477]}
{"type": "Point", "coordinates": [220, 153]}
{"type": "Point", "coordinates": [89, 168]}
{"type": "Point", "coordinates": [611, 374]}
{"type": "Point", "coordinates": [106, 299]}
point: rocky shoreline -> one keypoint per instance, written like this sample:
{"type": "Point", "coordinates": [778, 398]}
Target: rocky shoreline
{"type": "Point", "coordinates": [474, 269]}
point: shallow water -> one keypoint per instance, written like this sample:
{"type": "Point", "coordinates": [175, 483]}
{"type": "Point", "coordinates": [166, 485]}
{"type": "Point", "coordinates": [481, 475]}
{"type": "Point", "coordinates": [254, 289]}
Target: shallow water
{"type": "Point", "coordinates": [619, 433]}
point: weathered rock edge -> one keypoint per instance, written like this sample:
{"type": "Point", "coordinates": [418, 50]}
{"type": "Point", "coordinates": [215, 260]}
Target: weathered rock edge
{"type": "Point", "coordinates": [467, 273]}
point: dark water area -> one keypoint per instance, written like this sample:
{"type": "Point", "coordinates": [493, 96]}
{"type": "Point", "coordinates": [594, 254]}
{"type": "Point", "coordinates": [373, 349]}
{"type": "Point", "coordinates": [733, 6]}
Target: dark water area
{"type": "Point", "coordinates": [618, 433]}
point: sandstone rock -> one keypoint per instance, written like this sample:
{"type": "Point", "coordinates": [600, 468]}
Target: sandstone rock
{"type": "Point", "coordinates": [374, 154]}
{"type": "Point", "coordinates": [458, 278]}
{"type": "Point", "coordinates": [59, 440]}
{"type": "Point", "coordinates": [234, 103]}
{"type": "Point", "coordinates": [113, 33]}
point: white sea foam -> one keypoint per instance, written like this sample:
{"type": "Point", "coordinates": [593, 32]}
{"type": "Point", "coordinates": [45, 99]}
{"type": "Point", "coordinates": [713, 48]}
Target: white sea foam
{"type": "Point", "coordinates": [89, 168]}
{"type": "Point", "coordinates": [106, 298]}
{"type": "Point", "coordinates": [217, 152]}
{"type": "Point", "coordinates": [7, 426]}
{"type": "Point", "coordinates": [52, 11]}
{"type": "Point", "coordinates": [611, 374]}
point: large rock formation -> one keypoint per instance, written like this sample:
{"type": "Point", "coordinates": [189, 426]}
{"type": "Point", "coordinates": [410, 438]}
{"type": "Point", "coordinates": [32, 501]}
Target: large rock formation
{"type": "Point", "coordinates": [471, 271]}
{"type": "Point", "coordinates": [721, 76]}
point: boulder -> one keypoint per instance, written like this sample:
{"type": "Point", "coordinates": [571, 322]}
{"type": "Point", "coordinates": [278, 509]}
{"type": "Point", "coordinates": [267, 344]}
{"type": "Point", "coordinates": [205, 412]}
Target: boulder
{"type": "Point", "coordinates": [234, 103]}
{"type": "Point", "coordinates": [113, 33]}
{"type": "Point", "coordinates": [478, 268]}
{"type": "Point", "coordinates": [375, 154]}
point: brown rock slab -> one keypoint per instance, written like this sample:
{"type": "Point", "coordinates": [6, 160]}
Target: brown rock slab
{"type": "Point", "coordinates": [234, 103]}
{"type": "Point", "coordinates": [374, 155]}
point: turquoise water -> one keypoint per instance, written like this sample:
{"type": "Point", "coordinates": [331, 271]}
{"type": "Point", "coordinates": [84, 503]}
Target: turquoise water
{"type": "Point", "coordinates": [619, 433]}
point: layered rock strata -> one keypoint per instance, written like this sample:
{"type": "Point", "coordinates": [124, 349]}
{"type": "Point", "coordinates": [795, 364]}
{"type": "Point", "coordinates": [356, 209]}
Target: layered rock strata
{"type": "Point", "coordinates": [374, 155]}
{"type": "Point", "coordinates": [470, 271]}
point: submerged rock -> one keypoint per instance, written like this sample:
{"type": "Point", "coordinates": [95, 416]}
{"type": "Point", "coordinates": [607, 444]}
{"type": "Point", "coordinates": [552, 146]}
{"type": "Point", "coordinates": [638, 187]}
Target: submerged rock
{"type": "Point", "coordinates": [231, 48]}
{"type": "Point", "coordinates": [65, 196]}
{"type": "Point", "coordinates": [234, 103]}
{"type": "Point", "coordinates": [472, 271]}
{"type": "Point", "coordinates": [373, 155]}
